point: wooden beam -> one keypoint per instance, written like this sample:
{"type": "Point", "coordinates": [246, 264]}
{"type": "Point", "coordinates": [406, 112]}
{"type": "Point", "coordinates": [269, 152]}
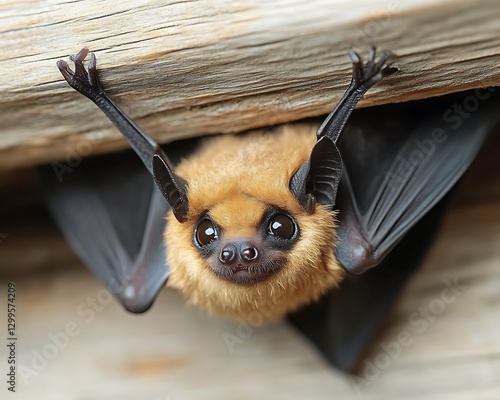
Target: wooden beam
{"type": "Point", "coordinates": [192, 68]}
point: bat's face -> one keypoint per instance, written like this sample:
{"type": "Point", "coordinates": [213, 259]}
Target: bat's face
{"type": "Point", "coordinates": [243, 241]}
{"type": "Point", "coordinates": [247, 245]}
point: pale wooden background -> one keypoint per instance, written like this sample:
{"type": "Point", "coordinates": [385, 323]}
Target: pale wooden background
{"type": "Point", "coordinates": [196, 67]}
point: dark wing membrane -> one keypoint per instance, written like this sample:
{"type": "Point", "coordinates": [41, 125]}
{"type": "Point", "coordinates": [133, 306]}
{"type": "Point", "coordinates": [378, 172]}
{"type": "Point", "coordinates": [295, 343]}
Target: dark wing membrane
{"type": "Point", "coordinates": [384, 201]}
{"type": "Point", "coordinates": [343, 323]}
{"type": "Point", "coordinates": [113, 215]}
{"type": "Point", "coordinates": [398, 163]}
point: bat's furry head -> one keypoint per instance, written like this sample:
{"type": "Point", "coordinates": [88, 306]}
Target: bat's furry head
{"type": "Point", "coordinates": [247, 245]}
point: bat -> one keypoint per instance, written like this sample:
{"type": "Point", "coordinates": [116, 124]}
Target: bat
{"type": "Point", "coordinates": [270, 222]}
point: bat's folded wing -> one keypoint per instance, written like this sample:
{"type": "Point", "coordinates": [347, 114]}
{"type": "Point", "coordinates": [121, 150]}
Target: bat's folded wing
{"type": "Point", "coordinates": [399, 161]}
{"type": "Point", "coordinates": [395, 171]}
{"type": "Point", "coordinates": [113, 215]}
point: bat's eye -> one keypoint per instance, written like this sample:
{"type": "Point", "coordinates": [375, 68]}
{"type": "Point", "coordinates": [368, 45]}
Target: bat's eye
{"type": "Point", "coordinates": [206, 232]}
{"type": "Point", "coordinates": [282, 225]}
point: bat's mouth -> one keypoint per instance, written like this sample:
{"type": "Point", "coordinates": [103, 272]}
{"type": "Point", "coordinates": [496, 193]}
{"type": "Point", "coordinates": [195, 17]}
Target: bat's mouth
{"type": "Point", "coordinates": [247, 273]}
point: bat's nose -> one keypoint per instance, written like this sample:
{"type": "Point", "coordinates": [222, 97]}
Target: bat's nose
{"type": "Point", "coordinates": [239, 251]}
{"type": "Point", "coordinates": [245, 260]}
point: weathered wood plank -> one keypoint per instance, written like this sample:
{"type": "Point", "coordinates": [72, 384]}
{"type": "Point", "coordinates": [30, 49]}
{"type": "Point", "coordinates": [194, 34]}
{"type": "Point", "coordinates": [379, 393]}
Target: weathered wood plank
{"type": "Point", "coordinates": [197, 67]}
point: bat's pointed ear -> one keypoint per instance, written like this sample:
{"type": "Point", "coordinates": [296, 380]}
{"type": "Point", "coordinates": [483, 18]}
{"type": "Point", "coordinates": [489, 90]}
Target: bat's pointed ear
{"type": "Point", "coordinates": [317, 180]}
{"type": "Point", "coordinates": [172, 186]}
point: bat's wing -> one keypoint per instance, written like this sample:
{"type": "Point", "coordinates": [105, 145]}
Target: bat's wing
{"type": "Point", "coordinates": [344, 322]}
{"type": "Point", "coordinates": [395, 174]}
{"type": "Point", "coordinates": [113, 215]}
{"type": "Point", "coordinates": [396, 168]}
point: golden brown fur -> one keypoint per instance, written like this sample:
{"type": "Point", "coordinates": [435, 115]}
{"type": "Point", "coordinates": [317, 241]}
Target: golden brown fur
{"type": "Point", "coordinates": [236, 178]}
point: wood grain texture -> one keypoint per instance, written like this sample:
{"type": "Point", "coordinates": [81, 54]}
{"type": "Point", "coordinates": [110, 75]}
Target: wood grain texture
{"type": "Point", "coordinates": [186, 68]}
